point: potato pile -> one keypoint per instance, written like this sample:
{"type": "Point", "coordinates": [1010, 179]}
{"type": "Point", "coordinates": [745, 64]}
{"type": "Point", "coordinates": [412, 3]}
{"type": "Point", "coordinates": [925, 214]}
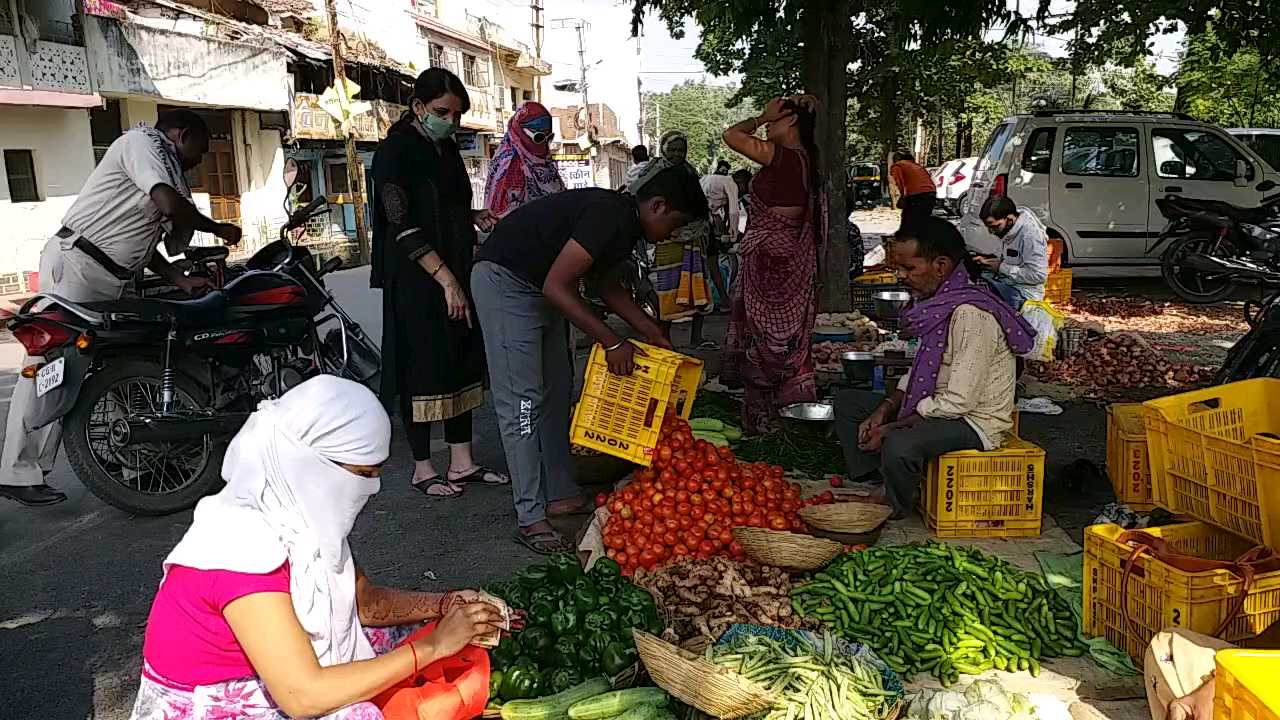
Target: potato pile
{"type": "Point", "coordinates": [859, 326]}
{"type": "Point", "coordinates": [1121, 360]}
{"type": "Point", "coordinates": [826, 355]}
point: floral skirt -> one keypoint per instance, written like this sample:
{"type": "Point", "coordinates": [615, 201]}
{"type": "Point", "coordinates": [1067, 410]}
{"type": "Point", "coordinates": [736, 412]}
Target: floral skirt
{"type": "Point", "coordinates": [245, 698]}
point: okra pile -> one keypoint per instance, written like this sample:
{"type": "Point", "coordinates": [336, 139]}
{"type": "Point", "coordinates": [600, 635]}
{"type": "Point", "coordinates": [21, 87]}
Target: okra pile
{"type": "Point", "coordinates": [942, 609]}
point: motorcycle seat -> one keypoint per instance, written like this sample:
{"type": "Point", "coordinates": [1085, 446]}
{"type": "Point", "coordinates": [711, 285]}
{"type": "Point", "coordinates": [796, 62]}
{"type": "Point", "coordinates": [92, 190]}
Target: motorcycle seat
{"type": "Point", "coordinates": [206, 254]}
{"type": "Point", "coordinates": [1235, 212]}
{"type": "Point", "coordinates": [210, 308]}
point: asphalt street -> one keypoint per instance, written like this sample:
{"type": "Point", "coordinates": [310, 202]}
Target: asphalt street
{"type": "Point", "coordinates": [78, 578]}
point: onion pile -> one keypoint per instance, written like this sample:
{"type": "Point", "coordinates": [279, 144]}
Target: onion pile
{"type": "Point", "coordinates": [1121, 360]}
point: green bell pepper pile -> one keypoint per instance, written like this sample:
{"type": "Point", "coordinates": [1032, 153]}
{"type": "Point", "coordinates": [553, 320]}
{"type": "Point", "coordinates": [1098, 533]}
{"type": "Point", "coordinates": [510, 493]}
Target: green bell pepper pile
{"type": "Point", "coordinates": [578, 623]}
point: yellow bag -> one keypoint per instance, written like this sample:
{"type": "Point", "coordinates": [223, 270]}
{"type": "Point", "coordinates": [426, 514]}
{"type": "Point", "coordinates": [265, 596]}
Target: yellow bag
{"type": "Point", "coordinates": [1046, 320]}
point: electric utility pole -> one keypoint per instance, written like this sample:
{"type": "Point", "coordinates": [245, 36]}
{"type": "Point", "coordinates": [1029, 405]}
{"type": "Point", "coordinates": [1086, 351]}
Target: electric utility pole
{"type": "Point", "coordinates": [355, 170]}
{"type": "Point", "coordinates": [580, 26]}
{"type": "Point", "coordinates": [536, 24]}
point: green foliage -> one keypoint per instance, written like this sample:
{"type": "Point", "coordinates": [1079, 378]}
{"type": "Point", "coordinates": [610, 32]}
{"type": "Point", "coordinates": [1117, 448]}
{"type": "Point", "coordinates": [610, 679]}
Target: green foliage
{"type": "Point", "coordinates": [701, 112]}
{"type": "Point", "coordinates": [1230, 89]}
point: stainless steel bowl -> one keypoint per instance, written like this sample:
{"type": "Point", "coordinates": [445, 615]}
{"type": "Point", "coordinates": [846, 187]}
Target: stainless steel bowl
{"type": "Point", "coordinates": [859, 367]}
{"type": "Point", "coordinates": [808, 411]}
{"type": "Point", "coordinates": [888, 303]}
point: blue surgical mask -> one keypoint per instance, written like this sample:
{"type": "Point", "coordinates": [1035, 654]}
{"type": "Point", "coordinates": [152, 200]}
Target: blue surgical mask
{"type": "Point", "coordinates": [436, 127]}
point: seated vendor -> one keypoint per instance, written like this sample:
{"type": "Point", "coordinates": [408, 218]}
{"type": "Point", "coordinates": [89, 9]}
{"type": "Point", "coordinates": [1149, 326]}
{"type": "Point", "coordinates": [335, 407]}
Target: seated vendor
{"type": "Point", "coordinates": [1019, 272]}
{"type": "Point", "coordinates": [261, 611]}
{"type": "Point", "coordinates": [1179, 671]}
{"type": "Point", "coordinates": [959, 392]}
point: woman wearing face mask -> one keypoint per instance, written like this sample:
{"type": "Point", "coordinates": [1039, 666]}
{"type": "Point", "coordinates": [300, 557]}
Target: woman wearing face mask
{"type": "Point", "coordinates": [774, 300]}
{"type": "Point", "coordinates": [262, 611]}
{"type": "Point", "coordinates": [424, 231]}
{"type": "Point", "coordinates": [522, 168]}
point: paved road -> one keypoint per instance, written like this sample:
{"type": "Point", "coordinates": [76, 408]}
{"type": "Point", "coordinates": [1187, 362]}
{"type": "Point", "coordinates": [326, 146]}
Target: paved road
{"type": "Point", "coordinates": [78, 578]}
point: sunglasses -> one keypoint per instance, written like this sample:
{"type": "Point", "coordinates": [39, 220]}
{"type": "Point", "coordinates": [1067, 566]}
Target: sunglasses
{"type": "Point", "coordinates": [540, 137]}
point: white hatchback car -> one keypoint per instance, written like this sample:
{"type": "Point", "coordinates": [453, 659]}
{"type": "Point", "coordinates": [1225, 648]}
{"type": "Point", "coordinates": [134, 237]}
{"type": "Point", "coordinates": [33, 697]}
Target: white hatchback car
{"type": "Point", "coordinates": [953, 182]}
{"type": "Point", "coordinates": [1093, 178]}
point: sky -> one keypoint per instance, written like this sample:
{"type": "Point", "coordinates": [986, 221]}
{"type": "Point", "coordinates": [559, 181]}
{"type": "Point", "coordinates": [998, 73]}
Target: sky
{"type": "Point", "coordinates": [610, 53]}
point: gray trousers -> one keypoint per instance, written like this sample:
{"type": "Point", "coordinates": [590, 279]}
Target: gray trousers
{"type": "Point", "coordinates": [903, 454]}
{"type": "Point", "coordinates": [531, 379]}
{"type": "Point", "coordinates": [28, 455]}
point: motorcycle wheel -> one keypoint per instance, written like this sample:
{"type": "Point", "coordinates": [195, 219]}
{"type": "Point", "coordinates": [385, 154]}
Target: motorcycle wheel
{"type": "Point", "coordinates": [144, 479]}
{"type": "Point", "coordinates": [1191, 285]}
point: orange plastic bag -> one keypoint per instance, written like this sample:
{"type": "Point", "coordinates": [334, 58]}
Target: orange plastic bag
{"type": "Point", "coordinates": [1055, 254]}
{"type": "Point", "coordinates": [456, 688]}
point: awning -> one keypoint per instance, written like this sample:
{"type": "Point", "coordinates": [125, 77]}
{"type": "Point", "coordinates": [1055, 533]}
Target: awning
{"type": "Point", "coordinates": [50, 98]}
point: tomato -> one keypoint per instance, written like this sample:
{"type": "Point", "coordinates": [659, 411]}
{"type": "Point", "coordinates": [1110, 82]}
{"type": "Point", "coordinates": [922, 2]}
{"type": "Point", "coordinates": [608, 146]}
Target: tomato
{"type": "Point", "coordinates": [726, 538]}
{"type": "Point", "coordinates": [667, 512]}
{"type": "Point", "coordinates": [685, 522]}
{"type": "Point", "coordinates": [647, 558]}
{"type": "Point", "coordinates": [664, 452]}
{"type": "Point", "coordinates": [696, 500]}
{"type": "Point", "coordinates": [777, 522]}
{"type": "Point", "coordinates": [622, 557]}
{"type": "Point", "coordinates": [602, 499]}
{"type": "Point", "coordinates": [671, 523]}
{"type": "Point", "coordinates": [713, 531]}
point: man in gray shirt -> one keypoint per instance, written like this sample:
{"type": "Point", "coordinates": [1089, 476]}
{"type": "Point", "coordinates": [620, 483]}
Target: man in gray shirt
{"type": "Point", "coordinates": [1018, 274]}
{"type": "Point", "coordinates": [136, 195]}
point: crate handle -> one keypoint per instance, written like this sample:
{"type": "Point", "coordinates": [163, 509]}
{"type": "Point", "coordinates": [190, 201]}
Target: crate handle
{"type": "Point", "coordinates": [1205, 405]}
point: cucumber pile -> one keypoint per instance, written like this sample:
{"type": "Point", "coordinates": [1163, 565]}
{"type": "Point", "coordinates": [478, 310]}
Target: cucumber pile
{"type": "Point", "coordinates": [942, 609]}
{"type": "Point", "coordinates": [716, 432]}
{"type": "Point", "coordinates": [592, 700]}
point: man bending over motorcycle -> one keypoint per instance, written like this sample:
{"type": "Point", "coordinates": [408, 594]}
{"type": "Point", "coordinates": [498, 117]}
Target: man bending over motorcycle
{"type": "Point", "coordinates": [525, 282]}
{"type": "Point", "coordinates": [136, 194]}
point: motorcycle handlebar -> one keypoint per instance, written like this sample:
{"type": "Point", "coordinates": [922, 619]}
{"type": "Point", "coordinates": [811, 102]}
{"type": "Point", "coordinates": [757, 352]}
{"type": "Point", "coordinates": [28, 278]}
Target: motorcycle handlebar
{"type": "Point", "coordinates": [301, 216]}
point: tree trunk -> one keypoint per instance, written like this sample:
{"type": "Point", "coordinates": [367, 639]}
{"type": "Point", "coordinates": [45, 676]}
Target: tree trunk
{"type": "Point", "coordinates": [825, 57]}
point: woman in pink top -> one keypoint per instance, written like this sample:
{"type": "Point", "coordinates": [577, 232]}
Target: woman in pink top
{"type": "Point", "coordinates": [262, 613]}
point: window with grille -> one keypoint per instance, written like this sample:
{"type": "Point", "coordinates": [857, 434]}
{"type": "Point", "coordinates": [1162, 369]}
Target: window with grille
{"type": "Point", "coordinates": [20, 171]}
{"type": "Point", "coordinates": [436, 51]}
{"type": "Point", "coordinates": [475, 71]}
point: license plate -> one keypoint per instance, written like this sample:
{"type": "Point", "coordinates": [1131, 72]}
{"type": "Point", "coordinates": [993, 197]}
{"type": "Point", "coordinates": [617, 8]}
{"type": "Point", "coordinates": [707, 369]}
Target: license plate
{"type": "Point", "coordinates": [50, 376]}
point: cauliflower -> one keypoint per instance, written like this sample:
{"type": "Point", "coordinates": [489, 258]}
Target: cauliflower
{"type": "Point", "coordinates": [992, 692]}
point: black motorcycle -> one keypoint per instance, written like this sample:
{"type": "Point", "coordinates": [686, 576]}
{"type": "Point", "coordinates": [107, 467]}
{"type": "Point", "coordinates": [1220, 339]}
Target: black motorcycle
{"type": "Point", "coordinates": [1257, 354]}
{"type": "Point", "coordinates": [149, 390]}
{"type": "Point", "coordinates": [1213, 246]}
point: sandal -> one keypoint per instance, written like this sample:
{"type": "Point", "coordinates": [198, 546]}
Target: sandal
{"type": "Point", "coordinates": [480, 474]}
{"type": "Point", "coordinates": [548, 542]}
{"type": "Point", "coordinates": [708, 345]}
{"type": "Point", "coordinates": [451, 490]}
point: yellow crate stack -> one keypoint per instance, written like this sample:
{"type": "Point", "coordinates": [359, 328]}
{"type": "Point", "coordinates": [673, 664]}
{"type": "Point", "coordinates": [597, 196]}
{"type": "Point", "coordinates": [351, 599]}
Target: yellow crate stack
{"type": "Point", "coordinates": [1215, 456]}
{"type": "Point", "coordinates": [622, 416]}
{"type": "Point", "coordinates": [1127, 463]}
{"type": "Point", "coordinates": [1128, 598]}
{"type": "Point", "coordinates": [1245, 686]}
{"type": "Point", "coordinates": [997, 493]}
{"type": "Point", "coordinates": [1057, 289]}
{"type": "Point", "coordinates": [878, 277]}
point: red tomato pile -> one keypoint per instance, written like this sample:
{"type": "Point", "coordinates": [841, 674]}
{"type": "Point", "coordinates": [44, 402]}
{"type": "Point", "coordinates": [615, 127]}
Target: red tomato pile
{"type": "Point", "coordinates": [687, 503]}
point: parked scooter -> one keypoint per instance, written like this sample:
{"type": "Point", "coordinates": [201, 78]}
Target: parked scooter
{"type": "Point", "coordinates": [150, 391]}
{"type": "Point", "coordinates": [1214, 246]}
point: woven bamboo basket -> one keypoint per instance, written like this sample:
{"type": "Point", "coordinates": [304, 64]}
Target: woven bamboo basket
{"type": "Point", "coordinates": [715, 690]}
{"type": "Point", "coordinates": [846, 517]}
{"type": "Point", "coordinates": [787, 550]}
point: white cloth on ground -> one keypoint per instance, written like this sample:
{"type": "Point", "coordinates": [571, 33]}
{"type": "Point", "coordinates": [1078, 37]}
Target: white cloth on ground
{"type": "Point", "coordinates": [286, 498]}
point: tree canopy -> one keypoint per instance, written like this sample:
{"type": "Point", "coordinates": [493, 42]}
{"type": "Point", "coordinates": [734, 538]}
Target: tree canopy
{"type": "Point", "coordinates": [701, 112]}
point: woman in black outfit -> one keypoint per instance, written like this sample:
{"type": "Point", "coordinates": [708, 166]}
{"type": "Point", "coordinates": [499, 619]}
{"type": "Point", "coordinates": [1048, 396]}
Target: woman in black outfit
{"type": "Point", "coordinates": [423, 236]}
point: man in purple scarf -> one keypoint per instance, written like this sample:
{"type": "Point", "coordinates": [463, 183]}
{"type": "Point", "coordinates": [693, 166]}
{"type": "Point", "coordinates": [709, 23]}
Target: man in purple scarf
{"type": "Point", "coordinates": [959, 393]}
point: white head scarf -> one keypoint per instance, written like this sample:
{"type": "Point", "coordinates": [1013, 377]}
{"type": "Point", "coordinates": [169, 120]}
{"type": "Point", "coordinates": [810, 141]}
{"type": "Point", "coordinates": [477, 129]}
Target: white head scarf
{"type": "Point", "coordinates": [286, 498]}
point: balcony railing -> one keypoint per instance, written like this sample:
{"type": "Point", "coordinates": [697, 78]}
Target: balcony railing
{"type": "Point", "coordinates": [9, 75]}
{"type": "Point", "coordinates": [56, 66]}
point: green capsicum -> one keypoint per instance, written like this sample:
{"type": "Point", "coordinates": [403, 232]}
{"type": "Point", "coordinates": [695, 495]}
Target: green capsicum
{"type": "Point", "coordinates": [616, 658]}
{"type": "Point", "coordinates": [545, 594]}
{"type": "Point", "coordinates": [600, 621]}
{"type": "Point", "coordinates": [606, 568]}
{"type": "Point", "coordinates": [564, 567]}
{"type": "Point", "coordinates": [495, 683]}
{"type": "Point", "coordinates": [564, 621]}
{"type": "Point", "coordinates": [597, 642]}
{"type": "Point", "coordinates": [564, 678]}
{"type": "Point", "coordinates": [565, 652]}
{"type": "Point", "coordinates": [536, 640]}
{"type": "Point", "coordinates": [520, 682]}
{"type": "Point", "coordinates": [506, 653]}
{"type": "Point", "coordinates": [586, 599]}
{"type": "Point", "coordinates": [540, 612]}
{"type": "Point", "coordinates": [517, 596]}
{"type": "Point", "coordinates": [533, 577]}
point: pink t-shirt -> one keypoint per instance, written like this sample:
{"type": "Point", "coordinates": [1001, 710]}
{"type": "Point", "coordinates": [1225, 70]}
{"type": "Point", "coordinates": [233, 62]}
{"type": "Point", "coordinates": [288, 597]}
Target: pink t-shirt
{"type": "Point", "coordinates": [187, 639]}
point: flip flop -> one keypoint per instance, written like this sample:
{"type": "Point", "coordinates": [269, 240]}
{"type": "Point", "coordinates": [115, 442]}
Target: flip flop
{"type": "Point", "coordinates": [481, 474]}
{"type": "Point", "coordinates": [708, 345]}
{"type": "Point", "coordinates": [549, 542]}
{"type": "Point", "coordinates": [425, 486]}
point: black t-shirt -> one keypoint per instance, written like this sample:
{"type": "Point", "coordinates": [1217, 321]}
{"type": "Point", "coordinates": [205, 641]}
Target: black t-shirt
{"type": "Point", "coordinates": [528, 241]}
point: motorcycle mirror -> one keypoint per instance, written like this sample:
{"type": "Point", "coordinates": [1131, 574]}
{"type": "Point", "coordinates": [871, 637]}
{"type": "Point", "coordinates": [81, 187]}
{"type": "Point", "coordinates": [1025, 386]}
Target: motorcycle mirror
{"type": "Point", "coordinates": [290, 172]}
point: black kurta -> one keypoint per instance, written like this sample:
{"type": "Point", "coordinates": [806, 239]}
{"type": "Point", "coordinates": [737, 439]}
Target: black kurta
{"type": "Point", "coordinates": [423, 203]}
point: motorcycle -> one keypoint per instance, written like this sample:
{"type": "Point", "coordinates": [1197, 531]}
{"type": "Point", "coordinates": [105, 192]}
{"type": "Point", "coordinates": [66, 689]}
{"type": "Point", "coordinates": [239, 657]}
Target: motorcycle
{"type": "Point", "coordinates": [635, 278]}
{"type": "Point", "coordinates": [1257, 354]}
{"type": "Point", "coordinates": [150, 390]}
{"type": "Point", "coordinates": [1212, 246]}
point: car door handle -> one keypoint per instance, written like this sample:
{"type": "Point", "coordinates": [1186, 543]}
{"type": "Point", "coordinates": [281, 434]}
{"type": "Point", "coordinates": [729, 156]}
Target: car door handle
{"type": "Point", "coordinates": [1075, 186]}
{"type": "Point", "coordinates": [1173, 188]}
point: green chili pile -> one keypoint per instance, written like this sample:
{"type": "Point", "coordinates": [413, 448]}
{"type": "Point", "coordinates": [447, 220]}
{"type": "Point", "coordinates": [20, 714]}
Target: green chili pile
{"type": "Point", "coordinates": [942, 609]}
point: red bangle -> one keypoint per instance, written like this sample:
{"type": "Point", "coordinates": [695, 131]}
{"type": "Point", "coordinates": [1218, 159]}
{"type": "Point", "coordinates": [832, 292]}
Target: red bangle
{"type": "Point", "coordinates": [414, 650]}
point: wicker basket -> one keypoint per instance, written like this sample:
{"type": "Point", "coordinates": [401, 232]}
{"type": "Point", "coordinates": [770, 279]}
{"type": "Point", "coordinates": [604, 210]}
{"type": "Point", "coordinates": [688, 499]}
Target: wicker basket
{"type": "Point", "coordinates": [787, 550]}
{"type": "Point", "coordinates": [846, 517]}
{"type": "Point", "coordinates": [715, 690]}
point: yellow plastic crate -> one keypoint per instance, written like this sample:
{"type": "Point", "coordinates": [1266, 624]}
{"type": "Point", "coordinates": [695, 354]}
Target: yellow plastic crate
{"type": "Point", "coordinates": [1245, 685]}
{"type": "Point", "coordinates": [622, 416]}
{"type": "Point", "coordinates": [1127, 463]}
{"type": "Point", "coordinates": [998, 493]}
{"type": "Point", "coordinates": [1161, 596]}
{"type": "Point", "coordinates": [1057, 289]}
{"type": "Point", "coordinates": [879, 277]}
{"type": "Point", "coordinates": [1210, 461]}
